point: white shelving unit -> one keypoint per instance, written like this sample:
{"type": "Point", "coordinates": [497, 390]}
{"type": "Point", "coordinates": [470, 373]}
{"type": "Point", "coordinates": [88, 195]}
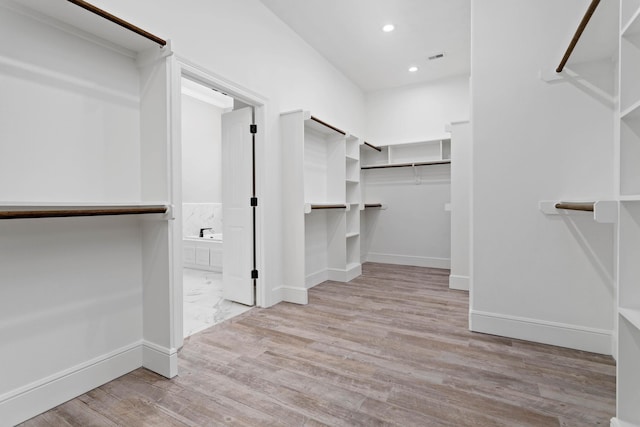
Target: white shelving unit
{"type": "Point", "coordinates": [354, 198]}
{"type": "Point", "coordinates": [421, 153]}
{"type": "Point", "coordinates": [628, 360]}
{"type": "Point", "coordinates": [321, 188]}
{"type": "Point", "coordinates": [86, 205]}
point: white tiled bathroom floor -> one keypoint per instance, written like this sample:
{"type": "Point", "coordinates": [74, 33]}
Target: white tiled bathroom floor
{"type": "Point", "coordinates": [203, 302]}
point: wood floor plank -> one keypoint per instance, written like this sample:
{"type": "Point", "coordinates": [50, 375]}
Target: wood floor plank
{"type": "Point", "coordinates": [392, 347]}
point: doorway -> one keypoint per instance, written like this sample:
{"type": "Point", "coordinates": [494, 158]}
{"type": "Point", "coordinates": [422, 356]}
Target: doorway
{"type": "Point", "coordinates": [219, 253]}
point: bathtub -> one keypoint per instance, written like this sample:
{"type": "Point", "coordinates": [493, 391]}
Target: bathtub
{"type": "Point", "coordinates": [203, 253]}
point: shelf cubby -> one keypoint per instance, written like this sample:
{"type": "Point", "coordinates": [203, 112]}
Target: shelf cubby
{"type": "Point", "coordinates": [324, 172]}
{"type": "Point", "coordinates": [421, 153]}
{"type": "Point", "coordinates": [628, 392]}
{"type": "Point", "coordinates": [630, 152]}
{"type": "Point", "coordinates": [629, 70]}
{"type": "Point", "coordinates": [353, 221]}
{"type": "Point", "coordinates": [629, 254]}
{"type": "Point", "coordinates": [370, 156]}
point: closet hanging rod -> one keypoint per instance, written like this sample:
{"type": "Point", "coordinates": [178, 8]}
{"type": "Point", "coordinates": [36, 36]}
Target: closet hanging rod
{"type": "Point", "coordinates": [407, 165]}
{"type": "Point", "coordinates": [65, 213]}
{"type": "Point", "coordinates": [317, 120]}
{"type": "Point", "coordinates": [576, 206]}
{"type": "Point", "coordinates": [328, 206]}
{"type": "Point", "coordinates": [372, 205]}
{"type": "Point", "coordinates": [118, 21]}
{"type": "Point", "coordinates": [372, 146]}
{"type": "Point", "coordinates": [574, 41]}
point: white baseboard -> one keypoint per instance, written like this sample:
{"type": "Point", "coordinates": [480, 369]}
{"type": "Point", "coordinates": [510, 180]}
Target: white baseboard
{"type": "Point", "coordinates": [618, 423]}
{"type": "Point", "coordinates": [560, 334]}
{"type": "Point", "coordinates": [354, 271]}
{"type": "Point", "coordinates": [460, 283]}
{"type": "Point", "coordinates": [417, 261]}
{"type": "Point", "coordinates": [161, 360]}
{"type": "Point", "coordinates": [294, 295]}
{"type": "Point", "coordinates": [26, 402]}
{"type": "Point", "coordinates": [346, 275]}
{"type": "Point", "coordinates": [316, 278]}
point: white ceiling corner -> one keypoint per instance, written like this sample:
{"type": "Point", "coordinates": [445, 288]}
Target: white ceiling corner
{"type": "Point", "coordinates": [348, 34]}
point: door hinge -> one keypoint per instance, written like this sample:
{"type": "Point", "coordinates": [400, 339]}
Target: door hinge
{"type": "Point", "coordinates": [253, 202]}
{"type": "Point", "coordinates": [253, 128]}
{"type": "Point", "coordinates": [254, 274]}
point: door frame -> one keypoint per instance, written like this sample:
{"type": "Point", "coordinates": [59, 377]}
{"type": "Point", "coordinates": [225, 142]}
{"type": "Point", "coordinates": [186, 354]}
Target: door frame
{"type": "Point", "coordinates": [183, 67]}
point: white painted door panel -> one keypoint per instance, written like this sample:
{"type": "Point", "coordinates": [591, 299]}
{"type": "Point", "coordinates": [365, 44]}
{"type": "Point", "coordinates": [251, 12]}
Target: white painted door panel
{"type": "Point", "coordinates": [237, 223]}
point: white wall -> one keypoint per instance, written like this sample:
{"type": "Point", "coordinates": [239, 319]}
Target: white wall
{"type": "Point", "coordinates": [416, 112]}
{"type": "Point", "coordinates": [201, 152]}
{"type": "Point", "coordinates": [415, 230]}
{"type": "Point", "coordinates": [266, 57]}
{"type": "Point", "coordinates": [545, 278]}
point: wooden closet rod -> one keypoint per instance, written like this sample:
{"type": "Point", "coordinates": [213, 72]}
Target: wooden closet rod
{"type": "Point", "coordinates": [407, 165]}
{"type": "Point", "coordinates": [129, 26]}
{"type": "Point", "coordinates": [63, 213]}
{"type": "Point", "coordinates": [576, 206]}
{"type": "Point", "coordinates": [315, 119]}
{"type": "Point", "coordinates": [372, 146]}
{"type": "Point", "coordinates": [574, 41]}
{"type": "Point", "coordinates": [328, 206]}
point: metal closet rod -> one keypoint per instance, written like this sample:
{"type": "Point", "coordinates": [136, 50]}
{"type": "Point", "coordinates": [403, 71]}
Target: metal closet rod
{"type": "Point", "coordinates": [372, 146]}
{"type": "Point", "coordinates": [576, 206]}
{"type": "Point", "coordinates": [328, 206]}
{"type": "Point", "coordinates": [119, 21]}
{"type": "Point", "coordinates": [317, 120]}
{"type": "Point", "coordinates": [65, 213]}
{"type": "Point", "coordinates": [574, 41]}
{"type": "Point", "coordinates": [407, 165]}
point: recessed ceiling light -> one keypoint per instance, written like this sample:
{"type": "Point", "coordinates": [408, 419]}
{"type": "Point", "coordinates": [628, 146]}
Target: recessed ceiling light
{"type": "Point", "coordinates": [413, 69]}
{"type": "Point", "coordinates": [388, 28]}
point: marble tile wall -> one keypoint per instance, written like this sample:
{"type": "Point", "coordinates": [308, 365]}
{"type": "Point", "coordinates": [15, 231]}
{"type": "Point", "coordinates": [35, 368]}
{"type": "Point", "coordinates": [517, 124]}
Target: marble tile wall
{"type": "Point", "coordinates": [200, 215]}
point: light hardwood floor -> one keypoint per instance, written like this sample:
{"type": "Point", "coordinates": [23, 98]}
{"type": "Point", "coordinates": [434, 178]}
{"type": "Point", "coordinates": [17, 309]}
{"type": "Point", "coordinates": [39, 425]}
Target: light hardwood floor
{"type": "Point", "coordinates": [389, 348]}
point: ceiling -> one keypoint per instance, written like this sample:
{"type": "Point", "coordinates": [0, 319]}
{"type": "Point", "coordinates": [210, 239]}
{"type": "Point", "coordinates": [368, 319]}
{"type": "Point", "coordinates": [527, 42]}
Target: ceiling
{"type": "Point", "coordinates": [348, 33]}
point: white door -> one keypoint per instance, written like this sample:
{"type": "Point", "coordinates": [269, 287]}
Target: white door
{"type": "Point", "coordinates": [237, 219]}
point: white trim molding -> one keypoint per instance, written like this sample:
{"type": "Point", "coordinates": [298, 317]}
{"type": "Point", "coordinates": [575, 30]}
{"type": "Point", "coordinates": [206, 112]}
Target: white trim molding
{"type": "Point", "coordinates": [26, 402]}
{"type": "Point", "coordinates": [294, 295]}
{"type": "Point", "coordinates": [417, 261]}
{"type": "Point", "coordinates": [159, 359]}
{"type": "Point", "coordinates": [615, 422]}
{"type": "Point", "coordinates": [460, 283]}
{"type": "Point", "coordinates": [560, 334]}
